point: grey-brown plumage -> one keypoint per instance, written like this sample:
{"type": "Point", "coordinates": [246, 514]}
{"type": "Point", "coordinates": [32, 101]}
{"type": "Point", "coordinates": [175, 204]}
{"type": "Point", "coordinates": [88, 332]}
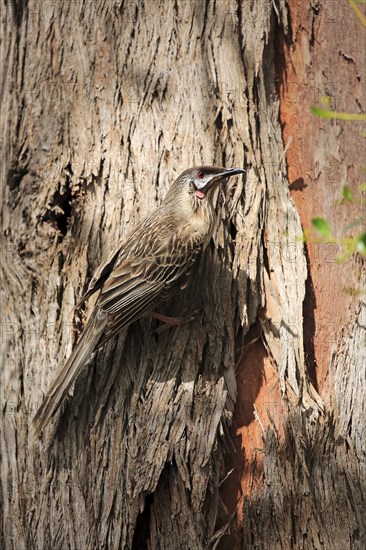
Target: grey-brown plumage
{"type": "Point", "coordinates": [154, 261]}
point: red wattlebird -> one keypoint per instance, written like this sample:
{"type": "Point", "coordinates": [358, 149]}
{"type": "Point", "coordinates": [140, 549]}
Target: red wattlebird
{"type": "Point", "coordinates": [154, 261]}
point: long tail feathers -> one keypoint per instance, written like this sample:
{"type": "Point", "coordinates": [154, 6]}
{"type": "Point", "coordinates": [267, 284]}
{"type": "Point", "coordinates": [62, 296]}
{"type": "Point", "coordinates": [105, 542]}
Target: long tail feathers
{"type": "Point", "coordinates": [62, 384]}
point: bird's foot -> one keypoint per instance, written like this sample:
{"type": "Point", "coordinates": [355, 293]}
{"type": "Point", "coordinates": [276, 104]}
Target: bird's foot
{"type": "Point", "coordinates": [170, 322]}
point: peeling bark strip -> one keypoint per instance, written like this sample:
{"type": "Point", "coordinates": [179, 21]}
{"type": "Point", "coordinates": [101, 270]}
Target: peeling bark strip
{"type": "Point", "coordinates": [313, 497]}
{"type": "Point", "coordinates": [103, 104]}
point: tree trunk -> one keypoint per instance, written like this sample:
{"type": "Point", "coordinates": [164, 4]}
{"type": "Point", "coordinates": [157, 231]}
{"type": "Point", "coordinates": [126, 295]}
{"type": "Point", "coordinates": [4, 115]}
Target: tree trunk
{"type": "Point", "coordinates": [103, 105]}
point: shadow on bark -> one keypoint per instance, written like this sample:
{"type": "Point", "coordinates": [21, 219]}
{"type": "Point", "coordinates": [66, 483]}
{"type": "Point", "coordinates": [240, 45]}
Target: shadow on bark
{"type": "Point", "coordinates": [158, 403]}
{"type": "Point", "coordinates": [308, 478]}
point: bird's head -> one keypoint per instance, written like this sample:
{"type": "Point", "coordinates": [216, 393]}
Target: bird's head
{"type": "Point", "coordinates": [200, 181]}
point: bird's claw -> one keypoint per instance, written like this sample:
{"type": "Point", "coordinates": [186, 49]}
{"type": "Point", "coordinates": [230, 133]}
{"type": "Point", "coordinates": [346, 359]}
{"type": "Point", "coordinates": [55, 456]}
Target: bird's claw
{"type": "Point", "coordinates": [170, 322]}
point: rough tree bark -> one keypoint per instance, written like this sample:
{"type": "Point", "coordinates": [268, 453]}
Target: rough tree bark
{"type": "Point", "coordinates": [103, 105]}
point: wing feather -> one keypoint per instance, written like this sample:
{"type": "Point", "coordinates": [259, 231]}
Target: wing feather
{"type": "Point", "coordinates": [123, 302]}
{"type": "Point", "coordinates": [140, 283]}
{"type": "Point", "coordinates": [101, 275]}
{"type": "Point", "coordinates": [124, 290]}
{"type": "Point", "coordinates": [116, 322]}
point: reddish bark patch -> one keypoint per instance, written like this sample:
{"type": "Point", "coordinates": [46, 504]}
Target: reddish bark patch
{"type": "Point", "coordinates": [321, 160]}
{"type": "Point", "coordinates": [258, 406]}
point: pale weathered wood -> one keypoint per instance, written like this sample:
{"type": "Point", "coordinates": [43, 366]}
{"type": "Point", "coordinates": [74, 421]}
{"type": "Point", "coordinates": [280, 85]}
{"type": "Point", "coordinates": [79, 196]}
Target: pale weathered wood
{"type": "Point", "coordinates": [103, 105]}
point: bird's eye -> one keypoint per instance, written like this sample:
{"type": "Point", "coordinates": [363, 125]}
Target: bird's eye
{"type": "Point", "coordinates": [200, 175]}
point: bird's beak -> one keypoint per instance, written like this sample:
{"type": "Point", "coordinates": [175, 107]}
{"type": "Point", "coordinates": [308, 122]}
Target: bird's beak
{"type": "Point", "coordinates": [228, 172]}
{"type": "Point", "coordinates": [225, 174]}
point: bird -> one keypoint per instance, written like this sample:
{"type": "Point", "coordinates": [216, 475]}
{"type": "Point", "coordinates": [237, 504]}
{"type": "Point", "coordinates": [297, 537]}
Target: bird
{"type": "Point", "coordinates": [157, 258]}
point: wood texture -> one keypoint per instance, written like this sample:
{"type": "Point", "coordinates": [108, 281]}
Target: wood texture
{"type": "Point", "coordinates": [103, 105]}
{"type": "Point", "coordinates": [304, 486]}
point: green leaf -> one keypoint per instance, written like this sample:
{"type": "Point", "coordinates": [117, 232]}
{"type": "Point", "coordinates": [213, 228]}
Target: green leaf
{"type": "Point", "coordinates": [327, 100]}
{"type": "Point", "coordinates": [363, 187]}
{"type": "Point", "coordinates": [358, 12]}
{"type": "Point", "coordinates": [361, 244]}
{"type": "Point", "coordinates": [347, 193]}
{"type": "Point", "coordinates": [354, 223]}
{"type": "Point", "coordinates": [321, 226]}
{"type": "Point", "coordinates": [353, 291]}
{"type": "Point", "coordinates": [324, 113]}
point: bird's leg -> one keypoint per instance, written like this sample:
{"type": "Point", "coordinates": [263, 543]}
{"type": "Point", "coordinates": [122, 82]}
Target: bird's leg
{"type": "Point", "coordinates": [172, 321]}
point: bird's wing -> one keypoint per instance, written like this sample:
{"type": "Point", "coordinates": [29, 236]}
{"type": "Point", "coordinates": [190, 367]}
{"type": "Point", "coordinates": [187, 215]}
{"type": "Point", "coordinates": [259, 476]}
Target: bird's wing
{"type": "Point", "coordinates": [140, 282]}
{"type": "Point", "coordinates": [118, 254]}
{"type": "Point", "coordinates": [100, 276]}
